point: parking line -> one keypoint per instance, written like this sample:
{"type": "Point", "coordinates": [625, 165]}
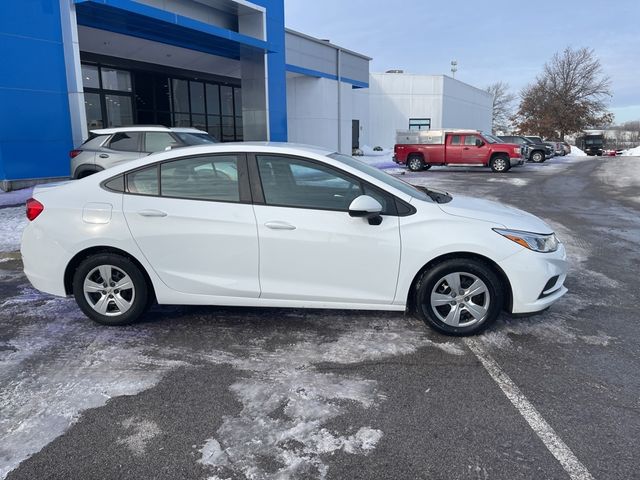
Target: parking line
{"type": "Point", "coordinates": [564, 455]}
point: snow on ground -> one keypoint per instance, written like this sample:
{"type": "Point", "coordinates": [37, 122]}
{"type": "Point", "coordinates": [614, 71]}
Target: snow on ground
{"type": "Point", "coordinates": [16, 197]}
{"type": "Point", "coordinates": [576, 152]}
{"type": "Point", "coordinates": [12, 222]}
{"type": "Point", "coordinates": [632, 152]}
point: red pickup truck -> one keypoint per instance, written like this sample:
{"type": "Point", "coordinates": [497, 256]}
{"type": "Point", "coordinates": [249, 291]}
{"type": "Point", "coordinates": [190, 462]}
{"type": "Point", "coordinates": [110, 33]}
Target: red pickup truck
{"type": "Point", "coordinates": [419, 150]}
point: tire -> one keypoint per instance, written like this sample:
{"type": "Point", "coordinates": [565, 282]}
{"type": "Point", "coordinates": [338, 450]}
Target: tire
{"type": "Point", "coordinates": [415, 163]}
{"type": "Point", "coordinates": [110, 305]}
{"type": "Point", "coordinates": [500, 164]}
{"type": "Point", "coordinates": [537, 156]}
{"type": "Point", "coordinates": [468, 315]}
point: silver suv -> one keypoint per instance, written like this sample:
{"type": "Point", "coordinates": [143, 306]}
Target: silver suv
{"type": "Point", "coordinates": [111, 146]}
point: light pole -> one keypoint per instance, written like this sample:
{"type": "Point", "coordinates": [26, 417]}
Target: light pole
{"type": "Point", "coordinates": [454, 68]}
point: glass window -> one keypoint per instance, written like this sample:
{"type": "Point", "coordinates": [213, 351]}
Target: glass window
{"type": "Point", "coordinates": [195, 138]}
{"type": "Point", "coordinates": [119, 110]}
{"type": "Point", "coordinates": [181, 120]}
{"type": "Point", "coordinates": [197, 97]}
{"type": "Point", "coordinates": [144, 182]}
{"type": "Point", "coordinates": [162, 93]}
{"type": "Point", "coordinates": [455, 140]}
{"type": "Point", "coordinates": [90, 76]}
{"type": "Point", "coordinates": [202, 178]}
{"type": "Point", "coordinates": [180, 95]}
{"type": "Point", "coordinates": [94, 110]}
{"type": "Point", "coordinates": [113, 79]}
{"type": "Point", "coordinates": [144, 91]}
{"type": "Point", "coordinates": [213, 127]}
{"type": "Point", "coordinates": [237, 101]}
{"type": "Point", "coordinates": [228, 132]}
{"type": "Point", "coordinates": [199, 122]}
{"type": "Point", "coordinates": [226, 99]}
{"type": "Point", "coordinates": [470, 139]}
{"type": "Point", "coordinates": [116, 184]}
{"type": "Point", "coordinates": [293, 182]}
{"type": "Point", "coordinates": [213, 99]}
{"type": "Point", "coordinates": [125, 142]}
{"type": "Point", "coordinates": [157, 141]}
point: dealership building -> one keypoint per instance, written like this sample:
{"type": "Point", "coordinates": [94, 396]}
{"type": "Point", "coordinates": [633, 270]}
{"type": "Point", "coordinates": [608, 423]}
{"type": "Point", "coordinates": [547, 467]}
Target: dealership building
{"type": "Point", "coordinates": [229, 67]}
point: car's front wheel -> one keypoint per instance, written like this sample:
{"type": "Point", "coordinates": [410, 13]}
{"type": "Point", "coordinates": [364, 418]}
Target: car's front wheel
{"type": "Point", "coordinates": [500, 164]}
{"type": "Point", "coordinates": [110, 289]}
{"type": "Point", "coordinates": [459, 297]}
{"type": "Point", "coordinates": [537, 157]}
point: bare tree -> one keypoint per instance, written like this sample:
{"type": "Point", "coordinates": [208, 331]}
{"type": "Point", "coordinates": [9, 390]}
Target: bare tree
{"type": "Point", "coordinates": [569, 96]}
{"type": "Point", "coordinates": [502, 106]}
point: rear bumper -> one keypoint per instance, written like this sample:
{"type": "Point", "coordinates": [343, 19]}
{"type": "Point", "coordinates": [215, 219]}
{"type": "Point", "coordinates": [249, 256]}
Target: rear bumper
{"type": "Point", "coordinates": [44, 261]}
{"type": "Point", "coordinates": [537, 279]}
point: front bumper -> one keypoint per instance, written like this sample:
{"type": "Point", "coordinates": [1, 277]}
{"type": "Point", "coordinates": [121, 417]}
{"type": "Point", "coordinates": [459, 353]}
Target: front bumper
{"type": "Point", "coordinates": [516, 161]}
{"type": "Point", "coordinates": [537, 279]}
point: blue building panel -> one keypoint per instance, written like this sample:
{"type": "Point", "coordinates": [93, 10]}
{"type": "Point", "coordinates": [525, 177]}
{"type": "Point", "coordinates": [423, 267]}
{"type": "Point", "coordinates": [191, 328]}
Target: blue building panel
{"type": "Point", "coordinates": [35, 125]}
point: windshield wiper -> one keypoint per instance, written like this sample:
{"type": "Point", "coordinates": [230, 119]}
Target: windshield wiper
{"type": "Point", "coordinates": [435, 195]}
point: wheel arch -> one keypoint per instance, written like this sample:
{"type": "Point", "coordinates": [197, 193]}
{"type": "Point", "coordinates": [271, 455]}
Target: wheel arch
{"type": "Point", "coordinates": [80, 256]}
{"type": "Point", "coordinates": [508, 293]}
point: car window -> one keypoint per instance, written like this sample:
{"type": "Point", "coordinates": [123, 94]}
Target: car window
{"type": "Point", "coordinates": [125, 142]}
{"type": "Point", "coordinates": [212, 177]}
{"type": "Point", "coordinates": [455, 140]}
{"type": "Point", "coordinates": [144, 181]}
{"type": "Point", "coordinates": [293, 182]}
{"type": "Point", "coordinates": [470, 140]}
{"type": "Point", "coordinates": [157, 141]}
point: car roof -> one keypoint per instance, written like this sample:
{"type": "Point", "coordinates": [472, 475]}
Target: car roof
{"type": "Point", "coordinates": [137, 128]}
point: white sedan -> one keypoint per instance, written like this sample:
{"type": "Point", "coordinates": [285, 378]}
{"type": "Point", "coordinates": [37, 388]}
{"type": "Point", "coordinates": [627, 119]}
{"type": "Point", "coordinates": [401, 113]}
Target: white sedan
{"type": "Point", "coordinates": [281, 225]}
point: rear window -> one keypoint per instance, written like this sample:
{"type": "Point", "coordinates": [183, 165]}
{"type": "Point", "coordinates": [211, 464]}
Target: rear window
{"type": "Point", "coordinates": [125, 141]}
{"type": "Point", "coordinates": [94, 141]}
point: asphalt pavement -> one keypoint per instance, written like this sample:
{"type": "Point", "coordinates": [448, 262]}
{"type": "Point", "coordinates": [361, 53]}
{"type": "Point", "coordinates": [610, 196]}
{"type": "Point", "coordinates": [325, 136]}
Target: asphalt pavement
{"type": "Point", "coordinates": [244, 393]}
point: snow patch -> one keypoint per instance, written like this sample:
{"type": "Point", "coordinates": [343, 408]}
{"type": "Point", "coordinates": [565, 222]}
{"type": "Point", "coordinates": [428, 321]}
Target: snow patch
{"type": "Point", "coordinates": [576, 152]}
{"type": "Point", "coordinates": [12, 222]}
{"type": "Point", "coordinates": [632, 152]}
{"type": "Point", "coordinates": [143, 431]}
{"type": "Point", "coordinates": [16, 197]}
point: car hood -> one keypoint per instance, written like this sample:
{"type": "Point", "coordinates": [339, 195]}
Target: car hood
{"type": "Point", "coordinates": [496, 213]}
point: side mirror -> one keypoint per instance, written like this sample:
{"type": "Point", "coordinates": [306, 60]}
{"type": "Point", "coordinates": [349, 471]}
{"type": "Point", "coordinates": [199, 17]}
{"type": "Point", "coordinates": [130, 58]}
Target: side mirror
{"type": "Point", "coordinates": [171, 146]}
{"type": "Point", "coordinates": [367, 207]}
{"type": "Point", "coordinates": [479, 142]}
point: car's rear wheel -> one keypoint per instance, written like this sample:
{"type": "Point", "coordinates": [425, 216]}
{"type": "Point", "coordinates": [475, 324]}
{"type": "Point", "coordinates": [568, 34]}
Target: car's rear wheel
{"type": "Point", "coordinates": [459, 297]}
{"type": "Point", "coordinates": [537, 157]}
{"type": "Point", "coordinates": [500, 164]}
{"type": "Point", "coordinates": [415, 163]}
{"type": "Point", "coordinates": [110, 289]}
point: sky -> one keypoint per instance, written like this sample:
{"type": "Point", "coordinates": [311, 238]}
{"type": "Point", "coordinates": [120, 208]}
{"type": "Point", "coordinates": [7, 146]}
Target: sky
{"type": "Point", "coordinates": [491, 41]}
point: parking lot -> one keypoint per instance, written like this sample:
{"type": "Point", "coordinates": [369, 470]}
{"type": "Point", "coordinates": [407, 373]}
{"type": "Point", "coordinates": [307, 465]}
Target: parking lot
{"type": "Point", "coordinates": [235, 393]}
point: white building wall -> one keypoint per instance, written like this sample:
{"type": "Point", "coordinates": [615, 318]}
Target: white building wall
{"type": "Point", "coordinates": [465, 106]}
{"type": "Point", "coordinates": [312, 112]}
{"type": "Point", "coordinates": [394, 98]}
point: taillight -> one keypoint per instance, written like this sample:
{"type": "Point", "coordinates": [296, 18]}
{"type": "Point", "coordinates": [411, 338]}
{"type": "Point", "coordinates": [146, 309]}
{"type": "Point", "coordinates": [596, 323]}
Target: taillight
{"type": "Point", "coordinates": [34, 208]}
{"type": "Point", "coordinates": [74, 153]}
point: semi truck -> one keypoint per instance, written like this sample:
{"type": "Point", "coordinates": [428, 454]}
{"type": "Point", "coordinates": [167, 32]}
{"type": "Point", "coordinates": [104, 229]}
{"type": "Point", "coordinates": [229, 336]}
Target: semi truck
{"type": "Point", "coordinates": [421, 149]}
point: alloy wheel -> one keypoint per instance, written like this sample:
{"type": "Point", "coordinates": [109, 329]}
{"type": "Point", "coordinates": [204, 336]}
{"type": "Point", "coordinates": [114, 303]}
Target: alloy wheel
{"type": "Point", "coordinates": [109, 290]}
{"type": "Point", "coordinates": [460, 299]}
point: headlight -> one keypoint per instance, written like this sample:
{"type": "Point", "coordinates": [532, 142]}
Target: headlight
{"type": "Point", "coordinates": [533, 241]}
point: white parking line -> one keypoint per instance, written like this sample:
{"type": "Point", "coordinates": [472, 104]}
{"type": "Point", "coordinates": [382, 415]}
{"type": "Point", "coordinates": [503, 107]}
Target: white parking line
{"type": "Point", "coordinates": [575, 469]}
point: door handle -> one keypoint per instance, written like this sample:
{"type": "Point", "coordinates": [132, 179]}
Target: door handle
{"type": "Point", "coordinates": [103, 155]}
{"type": "Point", "coordinates": [466, 148]}
{"type": "Point", "coordinates": [152, 213]}
{"type": "Point", "coordinates": [279, 226]}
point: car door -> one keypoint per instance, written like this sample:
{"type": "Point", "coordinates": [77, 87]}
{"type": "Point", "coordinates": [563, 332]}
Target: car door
{"type": "Point", "coordinates": [454, 148]}
{"type": "Point", "coordinates": [472, 153]}
{"type": "Point", "coordinates": [310, 248]}
{"type": "Point", "coordinates": [192, 219]}
{"type": "Point", "coordinates": [122, 147]}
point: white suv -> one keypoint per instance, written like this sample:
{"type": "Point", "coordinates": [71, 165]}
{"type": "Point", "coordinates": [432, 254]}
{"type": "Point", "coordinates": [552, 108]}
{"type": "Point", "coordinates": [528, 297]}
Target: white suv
{"type": "Point", "coordinates": [112, 146]}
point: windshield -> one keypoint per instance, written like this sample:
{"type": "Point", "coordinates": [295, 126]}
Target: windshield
{"type": "Point", "coordinates": [392, 181]}
{"type": "Point", "coordinates": [195, 138]}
